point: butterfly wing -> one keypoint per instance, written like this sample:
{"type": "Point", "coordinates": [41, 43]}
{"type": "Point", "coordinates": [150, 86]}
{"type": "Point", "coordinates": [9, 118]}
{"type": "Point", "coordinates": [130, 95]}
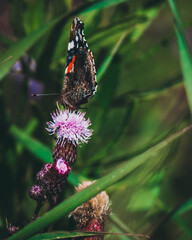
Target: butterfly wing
{"type": "Point", "coordinates": [80, 74]}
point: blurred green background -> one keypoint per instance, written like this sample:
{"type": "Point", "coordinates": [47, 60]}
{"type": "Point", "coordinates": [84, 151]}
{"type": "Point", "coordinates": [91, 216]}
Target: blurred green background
{"type": "Point", "coordinates": [141, 100]}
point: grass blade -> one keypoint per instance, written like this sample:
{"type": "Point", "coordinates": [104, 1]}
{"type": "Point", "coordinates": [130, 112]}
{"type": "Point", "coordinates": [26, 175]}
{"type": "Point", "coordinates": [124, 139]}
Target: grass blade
{"type": "Point", "coordinates": [136, 34]}
{"type": "Point", "coordinates": [67, 235]}
{"type": "Point", "coordinates": [20, 47]}
{"type": "Point", "coordinates": [185, 56]}
{"type": "Point", "coordinates": [104, 4]}
{"type": "Point", "coordinates": [77, 199]}
{"type": "Point", "coordinates": [37, 148]}
{"type": "Point", "coordinates": [108, 60]}
{"type": "Point", "coordinates": [61, 235]}
{"type": "Point", "coordinates": [187, 206]}
{"type": "Point", "coordinates": [120, 225]}
{"type": "Point", "coordinates": [17, 50]}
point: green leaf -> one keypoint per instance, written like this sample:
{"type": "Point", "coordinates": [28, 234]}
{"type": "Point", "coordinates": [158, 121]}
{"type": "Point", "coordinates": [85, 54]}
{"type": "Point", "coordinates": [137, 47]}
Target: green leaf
{"type": "Point", "coordinates": [187, 206]}
{"type": "Point", "coordinates": [20, 47]}
{"type": "Point", "coordinates": [103, 4]}
{"type": "Point", "coordinates": [28, 129]}
{"type": "Point", "coordinates": [136, 34]}
{"type": "Point", "coordinates": [64, 235]}
{"type": "Point", "coordinates": [144, 199]}
{"type": "Point", "coordinates": [108, 60]}
{"type": "Point", "coordinates": [101, 184]}
{"type": "Point", "coordinates": [184, 208]}
{"type": "Point", "coordinates": [105, 100]}
{"type": "Point", "coordinates": [120, 226]}
{"type": "Point", "coordinates": [61, 235]}
{"type": "Point", "coordinates": [5, 60]}
{"type": "Point", "coordinates": [185, 56]}
{"type": "Point", "coordinates": [184, 225]}
{"type": "Point", "coordinates": [37, 148]}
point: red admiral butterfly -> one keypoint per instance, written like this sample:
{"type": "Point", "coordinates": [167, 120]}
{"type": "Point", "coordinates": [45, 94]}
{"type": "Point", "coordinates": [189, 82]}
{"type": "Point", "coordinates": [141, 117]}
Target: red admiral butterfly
{"type": "Point", "coordinates": [80, 74]}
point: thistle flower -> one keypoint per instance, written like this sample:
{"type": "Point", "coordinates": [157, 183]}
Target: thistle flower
{"type": "Point", "coordinates": [92, 215]}
{"type": "Point", "coordinates": [61, 166]}
{"type": "Point", "coordinates": [70, 126]}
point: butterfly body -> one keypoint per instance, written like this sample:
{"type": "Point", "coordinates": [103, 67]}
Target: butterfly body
{"type": "Point", "coordinates": [80, 74]}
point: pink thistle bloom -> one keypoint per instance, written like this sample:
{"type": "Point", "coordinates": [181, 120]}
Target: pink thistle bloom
{"type": "Point", "coordinates": [70, 126]}
{"type": "Point", "coordinates": [61, 166]}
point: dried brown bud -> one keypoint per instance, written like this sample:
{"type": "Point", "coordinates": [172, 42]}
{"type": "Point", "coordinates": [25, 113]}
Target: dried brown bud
{"type": "Point", "coordinates": [92, 215]}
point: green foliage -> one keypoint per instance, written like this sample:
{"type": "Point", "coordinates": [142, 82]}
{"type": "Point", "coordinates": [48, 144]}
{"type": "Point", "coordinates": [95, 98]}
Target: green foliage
{"type": "Point", "coordinates": [140, 151]}
{"type": "Point", "coordinates": [60, 235]}
{"type": "Point", "coordinates": [76, 200]}
{"type": "Point", "coordinates": [38, 149]}
{"type": "Point", "coordinates": [185, 56]}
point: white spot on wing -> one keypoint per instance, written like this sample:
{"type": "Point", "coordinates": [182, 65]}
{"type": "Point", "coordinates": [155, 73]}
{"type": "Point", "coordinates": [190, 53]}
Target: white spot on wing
{"type": "Point", "coordinates": [95, 89]}
{"type": "Point", "coordinates": [71, 45]}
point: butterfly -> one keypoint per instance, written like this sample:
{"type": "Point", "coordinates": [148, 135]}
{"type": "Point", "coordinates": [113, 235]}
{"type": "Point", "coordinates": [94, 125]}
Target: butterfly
{"type": "Point", "coordinates": [80, 73]}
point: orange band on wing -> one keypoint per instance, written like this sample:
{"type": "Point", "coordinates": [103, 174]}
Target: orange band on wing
{"type": "Point", "coordinates": [70, 64]}
{"type": "Point", "coordinates": [90, 53]}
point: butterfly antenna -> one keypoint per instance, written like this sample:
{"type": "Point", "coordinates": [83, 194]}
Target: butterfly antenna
{"type": "Point", "coordinates": [43, 94]}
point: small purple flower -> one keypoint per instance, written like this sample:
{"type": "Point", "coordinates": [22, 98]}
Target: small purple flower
{"type": "Point", "coordinates": [61, 166]}
{"type": "Point", "coordinates": [17, 67]}
{"type": "Point", "coordinates": [70, 126]}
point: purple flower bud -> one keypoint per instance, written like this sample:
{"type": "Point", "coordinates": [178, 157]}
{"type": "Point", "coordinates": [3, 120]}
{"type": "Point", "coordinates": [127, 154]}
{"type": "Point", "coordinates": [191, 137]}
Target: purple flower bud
{"type": "Point", "coordinates": [37, 193]}
{"type": "Point", "coordinates": [13, 229]}
{"type": "Point", "coordinates": [52, 177]}
{"type": "Point", "coordinates": [47, 166]}
{"type": "Point", "coordinates": [42, 173]}
{"type": "Point", "coordinates": [68, 151]}
{"type": "Point", "coordinates": [62, 167]}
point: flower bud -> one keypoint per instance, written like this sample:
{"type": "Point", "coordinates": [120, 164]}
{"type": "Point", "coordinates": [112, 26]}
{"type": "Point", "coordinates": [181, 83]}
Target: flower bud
{"type": "Point", "coordinates": [92, 215]}
{"type": "Point", "coordinates": [37, 193]}
{"type": "Point", "coordinates": [13, 229]}
{"type": "Point", "coordinates": [67, 151]}
{"type": "Point", "coordinates": [41, 174]}
{"type": "Point", "coordinates": [52, 177]}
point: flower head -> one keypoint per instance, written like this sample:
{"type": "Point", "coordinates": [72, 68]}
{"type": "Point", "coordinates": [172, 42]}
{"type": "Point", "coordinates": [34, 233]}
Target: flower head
{"type": "Point", "coordinates": [61, 166]}
{"type": "Point", "coordinates": [92, 215]}
{"type": "Point", "coordinates": [70, 126]}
